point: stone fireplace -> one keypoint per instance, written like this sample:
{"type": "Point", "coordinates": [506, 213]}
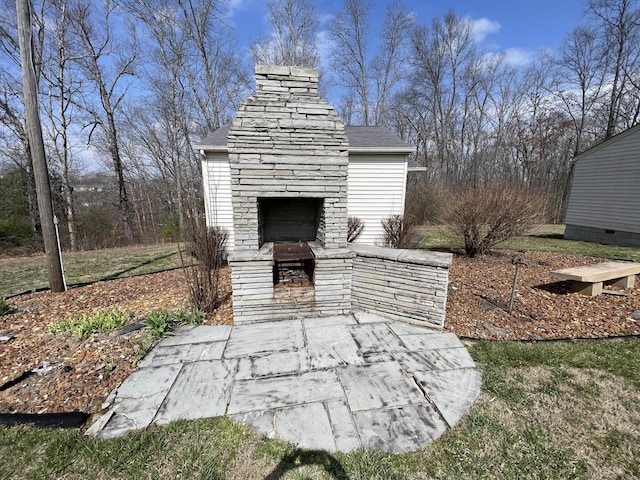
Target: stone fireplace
{"type": "Point", "coordinates": [288, 164]}
{"type": "Point", "coordinates": [288, 160]}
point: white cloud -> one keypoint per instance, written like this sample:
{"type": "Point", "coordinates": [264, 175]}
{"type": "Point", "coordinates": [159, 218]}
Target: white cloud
{"type": "Point", "coordinates": [234, 5]}
{"type": "Point", "coordinates": [326, 18]}
{"type": "Point", "coordinates": [518, 56]}
{"type": "Point", "coordinates": [482, 27]}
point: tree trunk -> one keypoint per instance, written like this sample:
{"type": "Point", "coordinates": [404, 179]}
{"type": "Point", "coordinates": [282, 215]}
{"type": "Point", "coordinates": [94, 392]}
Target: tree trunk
{"type": "Point", "coordinates": [39, 161]}
{"type": "Point", "coordinates": [123, 199]}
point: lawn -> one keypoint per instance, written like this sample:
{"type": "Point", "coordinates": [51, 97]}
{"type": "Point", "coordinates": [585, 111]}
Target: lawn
{"type": "Point", "coordinates": [29, 273]}
{"type": "Point", "coordinates": [545, 238]}
{"type": "Point", "coordinates": [550, 410]}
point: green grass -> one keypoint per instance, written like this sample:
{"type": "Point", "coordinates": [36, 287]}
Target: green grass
{"type": "Point", "coordinates": [545, 238]}
{"type": "Point", "coordinates": [546, 411]}
{"type": "Point", "coordinates": [99, 322]}
{"type": "Point", "coordinates": [29, 273]}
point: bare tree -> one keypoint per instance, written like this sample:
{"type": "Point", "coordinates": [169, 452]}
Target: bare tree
{"type": "Point", "coordinates": [370, 78]}
{"type": "Point", "coordinates": [617, 23]}
{"type": "Point", "coordinates": [105, 64]}
{"type": "Point", "coordinates": [292, 40]}
{"type": "Point", "coordinates": [443, 56]}
{"type": "Point", "coordinates": [192, 78]}
{"type": "Point", "coordinates": [16, 149]}
{"type": "Point", "coordinates": [390, 66]}
{"type": "Point", "coordinates": [349, 32]}
{"type": "Point", "coordinates": [60, 88]}
{"type": "Point", "coordinates": [581, 82]}
{"type": "Point", "coordinates": [216, 73]}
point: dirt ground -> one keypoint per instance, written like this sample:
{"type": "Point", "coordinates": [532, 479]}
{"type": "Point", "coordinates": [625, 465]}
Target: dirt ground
{"type": "Point", "coordinates": [74, 375]}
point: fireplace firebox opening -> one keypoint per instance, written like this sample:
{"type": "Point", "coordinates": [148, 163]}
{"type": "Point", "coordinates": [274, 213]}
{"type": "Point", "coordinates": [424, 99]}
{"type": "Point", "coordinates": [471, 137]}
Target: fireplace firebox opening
{"type": "Point", "coordinates": [289, 223]}
{"type": "Point", "coordinates": [292, 219]}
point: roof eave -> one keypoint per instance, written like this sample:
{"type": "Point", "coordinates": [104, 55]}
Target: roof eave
{"type": "Point", "coordinates": [211, 148]}
{"type": "Point", "coordinates": [356, 150]}
{"type": "Point", "coordinates": [382, 151]}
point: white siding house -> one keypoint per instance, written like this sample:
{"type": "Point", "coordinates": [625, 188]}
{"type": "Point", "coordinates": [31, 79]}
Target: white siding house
{"type": "Point", "coordinates": [377, 178]}
{"type": "Point", "coordinates": [604, 204]}
{"type": "Point", "coordinates": [216, 178]}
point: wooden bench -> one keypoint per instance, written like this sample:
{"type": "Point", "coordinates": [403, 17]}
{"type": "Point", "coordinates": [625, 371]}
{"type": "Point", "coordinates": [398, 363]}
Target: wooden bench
{"type": "Point", "coordinates": [589, 279]}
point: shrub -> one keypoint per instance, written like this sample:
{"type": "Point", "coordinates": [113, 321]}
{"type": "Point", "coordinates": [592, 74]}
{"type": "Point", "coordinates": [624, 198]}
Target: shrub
{"type": "Point", "coordinates": [483, 217]}
{"type": "Point", "coordinates": [84, 325]}
{"type": "Point", "coordinates": [398, 230]}
{"type": "Point", "coordinates": [15, 232]}
{"type": "Point", "coordinates": [208, 246]}
{"type": "Point", "coordinates": [426, 198]}
{"type": "Point", "coordinates": [170, 230]}
{"type": "Point", "coordinates": [354, 228]}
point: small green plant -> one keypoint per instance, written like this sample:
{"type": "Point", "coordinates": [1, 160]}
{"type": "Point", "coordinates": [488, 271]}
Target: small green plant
{"type": "Point", "coordinates": [84, 325]}
{"type": "Point", "coordinates": [6, 308]}
{"type": "Point", "coordinates": [160, 324]}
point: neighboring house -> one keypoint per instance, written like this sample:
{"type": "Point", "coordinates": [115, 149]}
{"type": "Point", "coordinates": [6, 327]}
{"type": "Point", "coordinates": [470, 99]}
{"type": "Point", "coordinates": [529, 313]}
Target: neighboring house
{"type": "Point", "coordinates": [604, 204]}
{"type": "Point", "coordinates": [377, 178]}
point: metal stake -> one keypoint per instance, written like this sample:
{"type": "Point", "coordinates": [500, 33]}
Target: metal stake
{"type": "Point", "coordinates": [517, 261]}
{"type": "Point", "coordinates": [55, 224]}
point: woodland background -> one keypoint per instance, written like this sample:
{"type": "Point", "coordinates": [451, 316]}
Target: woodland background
{"type": "Point", "coordinates": [129, 85]}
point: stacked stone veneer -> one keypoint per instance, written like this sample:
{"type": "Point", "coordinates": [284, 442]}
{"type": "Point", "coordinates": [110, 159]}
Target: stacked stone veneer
{"type": "Point", "coordinates": [286, 142]}
{"type": "Point", "coordinates": [256, 300]}
{"type": "Point", "coordinates": [406, 285]}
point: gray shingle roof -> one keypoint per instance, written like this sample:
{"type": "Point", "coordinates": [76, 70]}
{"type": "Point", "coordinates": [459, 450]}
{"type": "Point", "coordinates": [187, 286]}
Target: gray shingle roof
{"type": "Point", "coordinates": [361, 139]}
{"type": "Point", "coordinates": [375, 138]}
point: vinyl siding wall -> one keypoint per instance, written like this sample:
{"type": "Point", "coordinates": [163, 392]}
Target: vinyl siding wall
{"type": "Point", "coordinates": [217, 193]}
{"type": "Point", "coordinates": [605, 193]}
{"type": "Point", "coordinates": [376, 189]}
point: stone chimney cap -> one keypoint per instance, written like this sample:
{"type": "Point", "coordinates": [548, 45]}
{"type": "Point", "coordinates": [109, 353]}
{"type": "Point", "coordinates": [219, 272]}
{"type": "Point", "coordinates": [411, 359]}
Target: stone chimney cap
{"type": "Point", "coordinates": [287, 71]}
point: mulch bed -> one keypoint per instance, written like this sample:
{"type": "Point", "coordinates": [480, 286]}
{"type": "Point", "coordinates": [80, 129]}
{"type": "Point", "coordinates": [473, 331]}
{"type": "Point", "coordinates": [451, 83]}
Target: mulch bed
{"type": "Point", "coordinates": [74, 375]}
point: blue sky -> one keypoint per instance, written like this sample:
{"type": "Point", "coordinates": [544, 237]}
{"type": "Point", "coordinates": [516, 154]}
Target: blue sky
{"type": "Point", "coordinates": [519, 28]}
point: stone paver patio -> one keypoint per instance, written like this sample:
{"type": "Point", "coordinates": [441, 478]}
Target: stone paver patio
{"type": "Point", "coordinates": [334, 383]}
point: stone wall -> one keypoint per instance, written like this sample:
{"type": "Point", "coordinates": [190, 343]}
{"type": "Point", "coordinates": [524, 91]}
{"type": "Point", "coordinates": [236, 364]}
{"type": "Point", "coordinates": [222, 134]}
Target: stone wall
{"type": "Point", "coordinates": [286, 142]}
{"type": "Point", "coordinates": [406, 285]}
{"type": "Point", "coordinates": [256, 300]}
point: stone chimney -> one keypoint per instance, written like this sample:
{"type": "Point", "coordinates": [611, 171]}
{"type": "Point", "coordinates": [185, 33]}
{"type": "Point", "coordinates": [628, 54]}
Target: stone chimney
{"type": "Point", "coordinates": [288, 158]}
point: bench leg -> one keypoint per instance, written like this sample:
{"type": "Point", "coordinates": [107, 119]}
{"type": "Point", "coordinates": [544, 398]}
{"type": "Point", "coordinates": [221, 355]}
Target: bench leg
{"type": "Point", "coordinates": [624, 282]}
{"type": "Point", "coordinates": [585, 288]}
